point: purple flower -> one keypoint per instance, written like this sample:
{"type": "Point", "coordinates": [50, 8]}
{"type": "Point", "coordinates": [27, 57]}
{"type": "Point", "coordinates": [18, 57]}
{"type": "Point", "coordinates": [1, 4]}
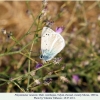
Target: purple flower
{"type": "Point", "coordinates": [75, 79]}
{"type": "Point", "coordinates": [59, 29]}
{"type": "Point", "coordinates": [38, 65]}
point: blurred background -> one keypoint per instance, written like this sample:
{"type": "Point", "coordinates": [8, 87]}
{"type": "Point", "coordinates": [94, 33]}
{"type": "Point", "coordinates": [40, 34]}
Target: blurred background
{"type": "Point", "coordinates": [77, 67]}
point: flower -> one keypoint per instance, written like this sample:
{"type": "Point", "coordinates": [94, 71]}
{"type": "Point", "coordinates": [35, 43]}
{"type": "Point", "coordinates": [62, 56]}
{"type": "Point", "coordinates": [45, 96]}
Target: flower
{"type": "Point", "coordinates": [44, 11]}
{"type": "Point", "coordinates": [98, 78]}
{"type": "Point", "coordinates": [64, 79]}
{"type": "Point", "coordinates": [49, 23]}
{"type": "Point", "coordinates": [57, 60]}
{"type": "Point", "coordinates": [59, 29]}
{"type": "Point", "coordinates": [38, 65]}
{"type": "Point", "coordinates": [37, 82]}
{"type": "Point", "coordinates": [75, 79]}
{"type": "Point", "coordinates": [3, 31]}
{"type": "Point", "coordinates": [44, 2]}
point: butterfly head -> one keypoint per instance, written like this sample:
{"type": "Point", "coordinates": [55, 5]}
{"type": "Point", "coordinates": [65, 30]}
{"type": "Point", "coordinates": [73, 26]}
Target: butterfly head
{"type": "Point", "coordinates": [45, 58]}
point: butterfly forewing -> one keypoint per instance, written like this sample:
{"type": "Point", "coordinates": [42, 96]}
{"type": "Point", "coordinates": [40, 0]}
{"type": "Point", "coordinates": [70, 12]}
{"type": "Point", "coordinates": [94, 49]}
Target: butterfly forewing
{"type": "Point", "coordinates": [48, 37]}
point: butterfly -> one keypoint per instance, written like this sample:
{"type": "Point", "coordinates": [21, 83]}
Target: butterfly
{"type": "Point", "coordinates": [51, 44]}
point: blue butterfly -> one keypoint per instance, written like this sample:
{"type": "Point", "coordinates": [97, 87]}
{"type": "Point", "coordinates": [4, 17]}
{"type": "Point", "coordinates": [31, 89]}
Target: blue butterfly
{"type": "Point", "coordinates": [51, 44]}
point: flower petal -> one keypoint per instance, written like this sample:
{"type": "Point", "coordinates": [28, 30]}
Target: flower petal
{"type": "Point", "coordinates": [75, 78]}
{"type": "Point", "coordinates": [59, 29]}
{"type": "Point", "coordinates": [38, 65]}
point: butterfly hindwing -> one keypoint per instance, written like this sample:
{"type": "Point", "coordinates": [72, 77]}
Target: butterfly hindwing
{"type": "Point", "coordinates": [58, 45]}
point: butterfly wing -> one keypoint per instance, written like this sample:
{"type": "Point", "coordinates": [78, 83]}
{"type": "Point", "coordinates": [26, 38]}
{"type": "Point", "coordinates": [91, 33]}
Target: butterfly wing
{"type": "Point", "coordinates": [58, 45]}
{"type": "Point", "coordinates": [48, 37]}
{"type": "Point", "coordinates": [51, 43]}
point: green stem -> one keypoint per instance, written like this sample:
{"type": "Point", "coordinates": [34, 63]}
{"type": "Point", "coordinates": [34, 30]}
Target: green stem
{"type": "Point", "coordinates": [29, 64]}
{"type": "Point", "coordinates": [25, 75]}
{"type": "Point", "coordinates": [27, 3]}
{"type": "Point", "coordinates": [9, 53]}
{"type": "Point", "coordinates": [22, 37]}
{"type": "Point", "coordinates": [19, 87]}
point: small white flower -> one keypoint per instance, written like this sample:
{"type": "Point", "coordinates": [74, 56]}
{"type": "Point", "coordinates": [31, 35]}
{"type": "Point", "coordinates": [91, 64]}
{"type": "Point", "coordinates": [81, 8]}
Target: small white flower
{"type": "Point", "coordinates": [37, 81]}
{"type": "Point", "coordinates": [4, 31]}
{"type": "Point", "coordinates": [98, 78]}
{"type": "Point", "coordinates": [99, 17]}
{"type": "Point", "coordinates": [44, 2]}
{"type": "Point", "coordinates": [64, 79]}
